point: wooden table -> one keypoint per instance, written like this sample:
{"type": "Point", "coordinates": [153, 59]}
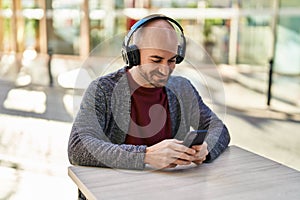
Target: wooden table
{"type": "Point", "coordinates": [236, 174]}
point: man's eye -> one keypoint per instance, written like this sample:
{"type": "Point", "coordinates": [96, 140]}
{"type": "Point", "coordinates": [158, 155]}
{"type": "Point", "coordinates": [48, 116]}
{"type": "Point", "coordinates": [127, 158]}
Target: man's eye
{"type": "Point", "coordinates": [156, 61]}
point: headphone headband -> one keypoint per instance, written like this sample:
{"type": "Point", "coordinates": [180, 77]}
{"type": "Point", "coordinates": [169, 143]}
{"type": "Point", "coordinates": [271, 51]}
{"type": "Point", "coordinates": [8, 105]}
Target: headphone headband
{"type": "Point", "coordinates": [131, 53]}
{"type": "Point", "coordinates": [145, 20]}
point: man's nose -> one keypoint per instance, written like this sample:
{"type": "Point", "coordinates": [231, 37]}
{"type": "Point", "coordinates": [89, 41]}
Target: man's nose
{"type": "Point", "coordinates": [164, 69]}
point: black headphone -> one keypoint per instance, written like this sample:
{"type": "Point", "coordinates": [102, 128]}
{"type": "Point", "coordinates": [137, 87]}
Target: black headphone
{"type": "Point", "coordinates": [131, 53]}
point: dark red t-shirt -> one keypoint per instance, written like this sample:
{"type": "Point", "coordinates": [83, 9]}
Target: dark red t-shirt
{"type": "Point", "coordinates": [150, 119]}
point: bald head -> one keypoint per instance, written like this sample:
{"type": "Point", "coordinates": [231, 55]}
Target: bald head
{"type": "Point", "coordinates": [159, 23]}
{"type": "Point", "coordinates": [157, 34]}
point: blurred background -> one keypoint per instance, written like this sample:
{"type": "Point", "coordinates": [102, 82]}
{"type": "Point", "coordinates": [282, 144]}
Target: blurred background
{"type": "Point", "coordinates": [255, 45]}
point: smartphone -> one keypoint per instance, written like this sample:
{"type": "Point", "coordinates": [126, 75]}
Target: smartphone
{"type": "Point", "coordinates": [194, 138]}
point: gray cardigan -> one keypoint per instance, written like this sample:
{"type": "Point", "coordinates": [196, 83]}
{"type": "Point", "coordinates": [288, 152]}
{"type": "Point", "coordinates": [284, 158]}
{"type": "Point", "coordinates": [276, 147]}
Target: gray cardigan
{"type": "Point", "coordinates": [99, 129]}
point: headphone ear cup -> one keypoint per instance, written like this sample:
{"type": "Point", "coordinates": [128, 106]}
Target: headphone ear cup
{"type": "Point", "coordinates": [179, 59]}
{"type": "Point", "coordinates": [124, 55]}
{"type": "Point", "coordinates": [180, 54]}
{"type": "Point", "coordinates": [133, 55]}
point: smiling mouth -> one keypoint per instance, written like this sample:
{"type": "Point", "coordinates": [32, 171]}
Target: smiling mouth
{"type": "Point", "coordinates": [162, 78]}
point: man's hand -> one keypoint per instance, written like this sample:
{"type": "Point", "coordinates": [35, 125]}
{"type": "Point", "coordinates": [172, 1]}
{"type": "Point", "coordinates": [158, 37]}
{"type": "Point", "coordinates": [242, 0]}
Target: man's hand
{"type": "Point", "coordinates": [169, 153]}
{"type": "Point", "coordinates": [201, 153]}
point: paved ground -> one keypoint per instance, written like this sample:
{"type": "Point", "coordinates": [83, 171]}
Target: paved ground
{"type": "Point", "coordinates": [33, 150]}
{"type": "Point", "coordinates": [33, 159]}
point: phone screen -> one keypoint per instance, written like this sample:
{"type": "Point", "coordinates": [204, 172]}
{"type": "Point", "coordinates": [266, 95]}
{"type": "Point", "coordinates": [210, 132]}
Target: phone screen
{"type": "Point", "coordinates": [196, 137]}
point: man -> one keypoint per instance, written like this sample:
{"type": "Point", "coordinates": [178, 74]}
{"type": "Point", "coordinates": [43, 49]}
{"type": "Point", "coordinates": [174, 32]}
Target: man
{"type": "Point", "coordinates": [140, 114]}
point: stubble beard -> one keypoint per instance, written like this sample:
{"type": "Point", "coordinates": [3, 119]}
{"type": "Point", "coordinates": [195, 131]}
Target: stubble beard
{"type": "Point", "coordinates": [153, 78]}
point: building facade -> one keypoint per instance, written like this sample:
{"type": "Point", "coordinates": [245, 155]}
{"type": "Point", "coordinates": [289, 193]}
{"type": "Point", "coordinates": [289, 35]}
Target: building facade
{"type": "Point", "coordinates": [234, 32]}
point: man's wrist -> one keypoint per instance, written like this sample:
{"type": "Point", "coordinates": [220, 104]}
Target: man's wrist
{"type": "Point", "coordinates": [146, 159]}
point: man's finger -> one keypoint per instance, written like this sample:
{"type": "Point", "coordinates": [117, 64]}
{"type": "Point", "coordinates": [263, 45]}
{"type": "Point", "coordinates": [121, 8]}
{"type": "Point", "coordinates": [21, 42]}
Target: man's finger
{"type": "Point", "coordinates": [183, 149]}
{"type": "Point", "coordinates": [182, 162]}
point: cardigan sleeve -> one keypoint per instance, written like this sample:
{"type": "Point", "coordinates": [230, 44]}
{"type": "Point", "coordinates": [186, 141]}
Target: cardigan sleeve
{"type": "Point", "coordinates": [218, 136]}
{"type": "Point", "coordinates": [90, 146]}
{"type": "Point", "coordinates": [193, 112]}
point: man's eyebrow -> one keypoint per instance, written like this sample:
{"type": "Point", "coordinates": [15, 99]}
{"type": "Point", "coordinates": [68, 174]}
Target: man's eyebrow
{"type": "Point", "coordinates": [159, 57]}
{"type": "Point", "coordinates": [156, 56]}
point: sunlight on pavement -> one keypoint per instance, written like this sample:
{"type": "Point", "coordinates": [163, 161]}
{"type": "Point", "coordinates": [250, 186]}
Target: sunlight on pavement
{"type": "Point", "coordinates": [24, 184]}
{"type": "Point", "coordinates": [23, 79]}
{"type": "Point", "coordinates": [33, 159]}
{"type": "Point", "coordinates": [25, 100]}
{"type": "Point", "coordinates": [77, 78]}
